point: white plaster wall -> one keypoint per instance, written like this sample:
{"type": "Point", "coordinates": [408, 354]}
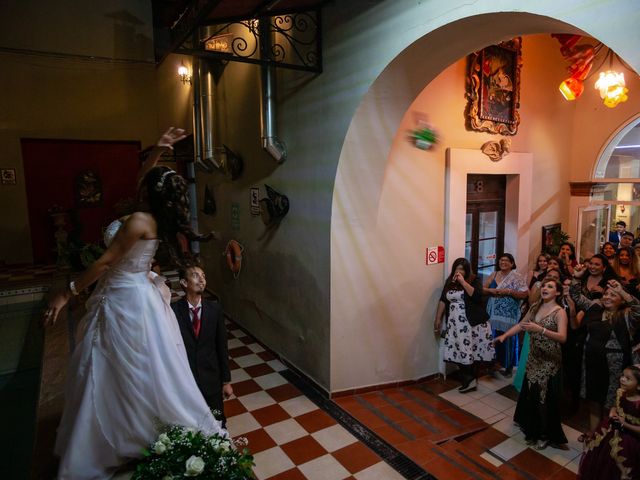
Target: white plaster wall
{"type": "Point", "coordinates": [590, 138]}
{"type": "Point", "coordinates": [386, 291]}
{"type": "Point", "coordinates": [388, 207]}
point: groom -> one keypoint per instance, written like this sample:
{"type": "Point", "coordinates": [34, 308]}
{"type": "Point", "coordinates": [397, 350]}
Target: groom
{"type": "Point", "coordinates": [205, 339]}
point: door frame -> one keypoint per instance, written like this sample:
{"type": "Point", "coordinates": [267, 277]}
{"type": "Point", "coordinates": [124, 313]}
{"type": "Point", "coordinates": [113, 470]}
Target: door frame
{"type": "Point", "coordinates": [518, 167]}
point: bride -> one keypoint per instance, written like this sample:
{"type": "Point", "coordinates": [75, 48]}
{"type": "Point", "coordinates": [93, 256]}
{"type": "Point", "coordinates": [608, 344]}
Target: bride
{"type": "Point", "coordinates": [129, 374]}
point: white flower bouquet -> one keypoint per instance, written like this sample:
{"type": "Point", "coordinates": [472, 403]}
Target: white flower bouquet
{"type": "Point", "coordinates": [180, 452]}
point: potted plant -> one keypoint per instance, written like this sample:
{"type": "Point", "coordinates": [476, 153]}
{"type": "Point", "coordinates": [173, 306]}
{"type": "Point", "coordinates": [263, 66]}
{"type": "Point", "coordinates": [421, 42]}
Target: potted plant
{"type": "Point", "coordinates": [558, 237]}
{"type": "Point", "coordinates": [423, 137]}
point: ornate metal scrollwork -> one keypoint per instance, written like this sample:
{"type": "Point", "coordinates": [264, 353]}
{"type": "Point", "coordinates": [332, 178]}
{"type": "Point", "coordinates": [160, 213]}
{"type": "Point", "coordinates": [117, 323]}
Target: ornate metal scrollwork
{"type": "Point", "coordinates": [241, 39]}
{"type": "Point", "coordinates": [294, 41]}
{"type": "Point", "coordinates": [300, 32]}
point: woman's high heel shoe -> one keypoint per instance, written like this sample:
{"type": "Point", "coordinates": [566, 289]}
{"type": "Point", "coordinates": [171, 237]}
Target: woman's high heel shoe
{"type": "Point", "coordinates": [542, 444]}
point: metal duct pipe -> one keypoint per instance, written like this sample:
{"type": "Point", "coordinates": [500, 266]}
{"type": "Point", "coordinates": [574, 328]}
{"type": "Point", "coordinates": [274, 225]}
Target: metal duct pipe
{"type": "Point", "coordinates": [197, 151]}
{"type": "Point", "coordinates": [270, 141]}
{"type": "Point", "coordinates": [207, 83]}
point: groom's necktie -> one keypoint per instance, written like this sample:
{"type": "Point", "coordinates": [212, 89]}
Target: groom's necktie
{"type": "Point", "coordinates": [196, 321]}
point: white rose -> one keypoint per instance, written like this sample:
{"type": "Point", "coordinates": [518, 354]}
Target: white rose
{"type": "Point", "coordinates": [159, 448]}
{"type": "Point", "coordinates": [164, 438]}
{"type": "Point", "coordinates": [194, 466]}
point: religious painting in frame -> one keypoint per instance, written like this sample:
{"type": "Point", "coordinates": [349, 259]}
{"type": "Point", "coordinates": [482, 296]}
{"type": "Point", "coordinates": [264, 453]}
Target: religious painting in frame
{"type": "Point", "coordinates": [88, 189]}
{"type": "Point", "coordinates": [493, 88]}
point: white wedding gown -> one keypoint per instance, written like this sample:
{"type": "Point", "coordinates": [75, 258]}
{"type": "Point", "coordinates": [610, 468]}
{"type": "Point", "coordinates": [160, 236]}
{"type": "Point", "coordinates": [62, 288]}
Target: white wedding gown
{"type": "Point", "coordinates": [129, 373]}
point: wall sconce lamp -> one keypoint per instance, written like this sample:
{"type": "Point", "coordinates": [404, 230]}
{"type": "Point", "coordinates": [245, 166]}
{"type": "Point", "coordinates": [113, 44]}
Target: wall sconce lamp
{"type": "Point", "coordinates": [183, 73]}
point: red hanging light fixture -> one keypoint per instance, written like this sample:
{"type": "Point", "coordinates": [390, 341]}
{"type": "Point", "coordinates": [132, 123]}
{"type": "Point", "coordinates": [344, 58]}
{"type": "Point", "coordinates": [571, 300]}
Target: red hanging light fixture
{"type": "Point", "coordinates": [571, 88]}
{"type": "Point", "coordinates": [581, 58]}
{"type": "Point", "coordinates": [610, 84]}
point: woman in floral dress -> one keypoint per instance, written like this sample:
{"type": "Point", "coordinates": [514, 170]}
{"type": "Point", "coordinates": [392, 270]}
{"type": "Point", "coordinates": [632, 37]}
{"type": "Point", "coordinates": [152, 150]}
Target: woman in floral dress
{"type": "Point", "coordinates": [537, 411]}
{"type": "Point", "coordinates": [467, 334]}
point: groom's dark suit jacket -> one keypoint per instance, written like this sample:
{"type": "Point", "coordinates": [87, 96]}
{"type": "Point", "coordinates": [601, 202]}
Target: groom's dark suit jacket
{"type": "Point", "coordinates": [208, 355]}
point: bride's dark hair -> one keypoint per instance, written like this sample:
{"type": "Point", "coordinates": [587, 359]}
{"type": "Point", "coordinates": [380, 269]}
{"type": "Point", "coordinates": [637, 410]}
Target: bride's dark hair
{"type": "Point", "coordinates": [169, 204]}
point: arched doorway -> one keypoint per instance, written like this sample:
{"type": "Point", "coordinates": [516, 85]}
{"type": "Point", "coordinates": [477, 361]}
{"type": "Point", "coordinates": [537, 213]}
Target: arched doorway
{"type": "Point", "coordinates": [374, 207]}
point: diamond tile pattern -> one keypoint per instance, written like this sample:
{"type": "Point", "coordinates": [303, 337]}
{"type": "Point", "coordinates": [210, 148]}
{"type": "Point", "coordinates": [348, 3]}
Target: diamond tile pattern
{"type": "Point", "coordinates": [448, 434]}
{"type": "Point", "coordinates": [289, 436]}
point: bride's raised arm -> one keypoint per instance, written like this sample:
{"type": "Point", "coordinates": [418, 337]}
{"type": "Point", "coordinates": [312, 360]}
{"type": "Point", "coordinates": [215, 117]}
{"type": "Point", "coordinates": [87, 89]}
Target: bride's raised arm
{"type": "Point", "coordinates": [166, 142]}
{"type": "Point", "coordinates": [138, 225]}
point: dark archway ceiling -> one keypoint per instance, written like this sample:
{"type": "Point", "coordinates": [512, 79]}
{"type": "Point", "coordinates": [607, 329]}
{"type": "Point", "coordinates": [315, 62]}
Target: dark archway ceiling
{"type": "Point", "coordinates": [175, 21]}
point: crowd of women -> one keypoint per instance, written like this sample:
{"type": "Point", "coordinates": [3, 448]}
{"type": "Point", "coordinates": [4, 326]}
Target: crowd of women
{"type": "Point", "coordinates": [571, 333]}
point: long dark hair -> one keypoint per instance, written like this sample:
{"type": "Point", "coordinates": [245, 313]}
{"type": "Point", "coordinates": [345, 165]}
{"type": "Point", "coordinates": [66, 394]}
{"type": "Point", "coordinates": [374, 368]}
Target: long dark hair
{"type": "Point", "coordinates": [608, 273]}
{"type": "Point", "coordinates": [633, 261]}
{"type": "Point", "coordinates": [169, 204]}
{"type": "Point", "coordinates": [468, 274]}
{"type": "Point", "coordinates": [572, 255]}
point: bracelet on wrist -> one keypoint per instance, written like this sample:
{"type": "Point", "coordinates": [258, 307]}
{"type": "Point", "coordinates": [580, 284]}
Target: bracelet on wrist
{"type": "Point", "coordinates": [74, 290]}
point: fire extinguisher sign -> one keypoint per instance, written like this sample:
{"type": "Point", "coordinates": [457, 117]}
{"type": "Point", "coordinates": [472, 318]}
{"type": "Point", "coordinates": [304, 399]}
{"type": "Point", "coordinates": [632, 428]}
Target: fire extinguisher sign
{"type": "Point", "coordinates": [435, 255]}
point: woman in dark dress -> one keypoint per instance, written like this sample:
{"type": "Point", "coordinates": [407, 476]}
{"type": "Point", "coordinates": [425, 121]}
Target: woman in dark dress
{"type": "Point", "coordinates": [537, 412]}
{"type": "Point", "coordinates": [613, 450]}
{"type": "Point", "coordinates": [609, 322]}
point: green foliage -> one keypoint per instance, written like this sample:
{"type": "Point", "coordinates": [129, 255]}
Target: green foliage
{"type": "Point", "coordinates": [182, 452]}
{"type": "Point", "coordinates": [77, 254]}
{"type": "Point", "coordinates": [73, 252]}
{"type": "Point", "coordinates": [425, 134]}
{"type": "Point", "coordinates": [558, 237]}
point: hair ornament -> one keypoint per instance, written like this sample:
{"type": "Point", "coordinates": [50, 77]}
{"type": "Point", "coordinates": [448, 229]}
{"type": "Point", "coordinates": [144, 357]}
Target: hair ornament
{"type": "Point", "coordinates": [164, 176]}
